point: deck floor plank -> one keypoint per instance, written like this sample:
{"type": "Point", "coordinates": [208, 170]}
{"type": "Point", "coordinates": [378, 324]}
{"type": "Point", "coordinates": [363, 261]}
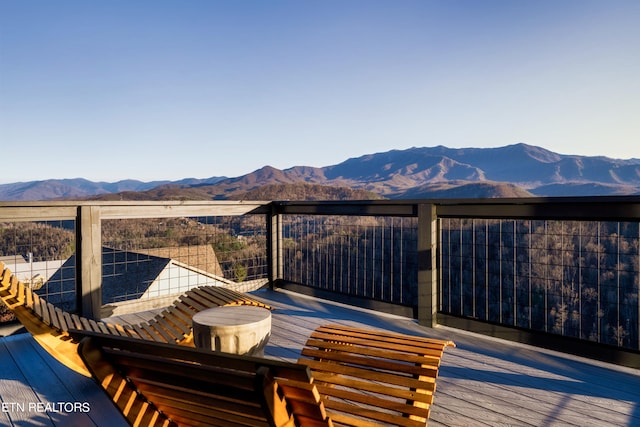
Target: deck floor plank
{"type": "Point", "coordinates": [15, 391]}
{"type": "Point", "coordinates": [17, 388]}
{"type": "Point", "coordinates": [538, 391]}
{"type": "Point", "coordinates": [457, 410]}
{"type": "Point", "coordinates": [567, 391]}
{"type": "Point", "coordinates": [32, 378]}
{"type": "Point", "coordinates": [49, 389]}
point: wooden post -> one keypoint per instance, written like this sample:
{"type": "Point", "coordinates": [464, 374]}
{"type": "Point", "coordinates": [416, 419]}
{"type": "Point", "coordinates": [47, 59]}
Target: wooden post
{"type": "Point", "coordinates": [89, 261]}
{"type": "Point", "coordinates": [274, 247]}
{"type": "Point", "coordinates": [427, 265]}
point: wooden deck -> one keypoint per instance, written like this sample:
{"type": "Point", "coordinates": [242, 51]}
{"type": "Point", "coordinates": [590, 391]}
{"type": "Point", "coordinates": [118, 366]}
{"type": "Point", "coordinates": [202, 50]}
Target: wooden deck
{"type": "Point", "coordinates": [482, 381]}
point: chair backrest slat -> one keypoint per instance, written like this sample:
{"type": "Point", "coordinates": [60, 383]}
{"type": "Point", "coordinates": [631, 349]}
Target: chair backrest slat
{"type": "Point", "coordinates": [369, 377]}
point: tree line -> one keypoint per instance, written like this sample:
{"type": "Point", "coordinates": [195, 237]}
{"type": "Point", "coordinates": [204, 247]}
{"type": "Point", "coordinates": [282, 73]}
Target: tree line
{"type": "Point", "coordinates": [572, 278]}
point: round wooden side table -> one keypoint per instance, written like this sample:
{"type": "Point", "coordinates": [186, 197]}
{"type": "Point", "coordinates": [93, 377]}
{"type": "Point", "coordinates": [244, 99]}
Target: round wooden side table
{"type": "Point", "coordinates": [238, 329]}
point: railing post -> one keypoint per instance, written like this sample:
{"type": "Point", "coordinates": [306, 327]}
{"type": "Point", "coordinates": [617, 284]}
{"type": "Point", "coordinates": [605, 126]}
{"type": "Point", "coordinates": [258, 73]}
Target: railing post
{"type": "Point", "coordinates": [89, 261]}
{"type": "Point", "coordinates": [427, 265]}
{"type": "Point", "coordinates": [274, 247]}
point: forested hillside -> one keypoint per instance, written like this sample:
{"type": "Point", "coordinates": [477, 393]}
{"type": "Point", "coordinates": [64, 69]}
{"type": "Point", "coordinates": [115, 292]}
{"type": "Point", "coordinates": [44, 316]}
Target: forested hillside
{"type": "Point", "coordinates": [573, 278]}
{"type": "Point", "coordinates": [305, 191]}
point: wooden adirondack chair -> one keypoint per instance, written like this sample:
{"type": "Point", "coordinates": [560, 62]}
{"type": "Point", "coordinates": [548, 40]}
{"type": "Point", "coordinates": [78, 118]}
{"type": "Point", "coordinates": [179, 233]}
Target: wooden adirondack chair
{"type": "Point", "coordinates": [50, 325]}
{"type": "Point", "coordinates": [373, 378]}
{"type": "Point", "coordinates": [156, 384]}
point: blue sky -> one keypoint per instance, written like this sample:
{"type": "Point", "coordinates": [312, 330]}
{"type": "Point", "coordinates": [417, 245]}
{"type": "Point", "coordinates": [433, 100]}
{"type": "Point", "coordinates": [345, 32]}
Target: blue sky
{"type": "Point", "coordinates": [158, 89]}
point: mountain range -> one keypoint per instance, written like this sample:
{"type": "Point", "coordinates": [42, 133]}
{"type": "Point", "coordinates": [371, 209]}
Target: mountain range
{"type": "Point", "coordinates": [518, 170]}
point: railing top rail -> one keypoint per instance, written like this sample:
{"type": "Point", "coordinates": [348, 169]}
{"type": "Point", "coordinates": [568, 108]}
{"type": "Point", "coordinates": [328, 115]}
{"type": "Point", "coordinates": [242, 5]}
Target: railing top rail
{"type": "Point", "coordinates": [72, 203]}
{"type": "Point", "coordinates": [347, 207]}
{"type": "Point", "coordinates": [221, 208]}
{"type": "Point", "coordinates": [63, 210]}
{"type": "Point", "coordinates": [601, 208]}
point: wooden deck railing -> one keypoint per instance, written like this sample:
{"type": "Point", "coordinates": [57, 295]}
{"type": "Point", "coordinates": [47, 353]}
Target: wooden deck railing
{"type": "Point", "coordinates": [563, 270]}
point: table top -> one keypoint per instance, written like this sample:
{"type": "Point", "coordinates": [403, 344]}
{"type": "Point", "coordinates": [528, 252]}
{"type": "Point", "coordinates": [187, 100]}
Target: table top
{"type": "Point", "coordinates": [233, 315]}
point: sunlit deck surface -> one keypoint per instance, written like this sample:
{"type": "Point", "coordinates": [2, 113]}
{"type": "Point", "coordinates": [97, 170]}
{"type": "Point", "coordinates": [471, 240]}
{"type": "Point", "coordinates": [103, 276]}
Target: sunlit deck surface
{"type": "Point", "coordinates": [482, 381]}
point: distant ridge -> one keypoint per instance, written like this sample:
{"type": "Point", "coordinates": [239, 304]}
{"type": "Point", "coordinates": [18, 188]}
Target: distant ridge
{"type": "Point", "coordinates": [518, 170]}
{"type": "Point", "coordinates": [77, 188]}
